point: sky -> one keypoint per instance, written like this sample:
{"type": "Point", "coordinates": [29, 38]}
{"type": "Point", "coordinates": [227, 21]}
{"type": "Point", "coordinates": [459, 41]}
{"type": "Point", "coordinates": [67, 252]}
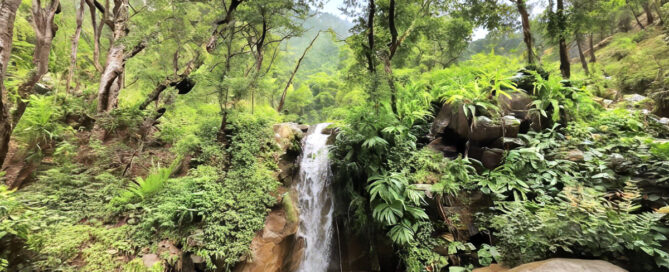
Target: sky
{"type": "Point", "coordinates": [332, 6]}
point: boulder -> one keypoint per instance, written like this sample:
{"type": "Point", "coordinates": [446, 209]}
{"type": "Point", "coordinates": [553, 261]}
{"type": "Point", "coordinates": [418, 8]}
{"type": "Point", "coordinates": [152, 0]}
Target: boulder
{"type": "Point", "coordinates": [492, 158]}
{"type": "Point", "coordinates": [439, 146]}
{"type": "Point", "coordinates": [286, 133]}
{"type": "Point", "coordinates": [486, 130]}
{"type": "Point", "coordinates": [288, 137]}
{"type": "Point", "coordinates": [451, 118]}
{"type": "Point", "coordinates": [150, 260]}
{"type": "Point", "coordinates": [276, 247]}
{"type": "Point", "coordinates": [575, 155]}
{"type": "Point", "coordinates": [508, 143]}
{"type": "Point", "coordinates": [558, 265]}
{"type": "Point", "coordinates": [518, 104]}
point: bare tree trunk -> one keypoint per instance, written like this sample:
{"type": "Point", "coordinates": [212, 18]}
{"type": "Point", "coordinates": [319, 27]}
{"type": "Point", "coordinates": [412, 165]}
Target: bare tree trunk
{"type": "Point", "coordinates": [593, 58]}
{"type": "Point", "coordinates": [656, 5]}
{"type": "Point", "coordinates": [7, 16]}
{"type": "Point", "coordinates": [564, 54]}
{"type": "Point", "coordinates": [45, 30]}
{"type": "Point", "coordinates": [387, 66]}
{"type": "Point", "coordinates": [111, 80]}
{"type": "Point", "coordinates": [584, 62]}
{"type": "Point", "coordinates": [649, 13]}
{"type": "Point", "coordinates": [97, 29]}
{"type": "Point", "coordinates": [369, 52]}
{"type": "Point", "coordinates": [225, 22]}
{"type": "Point", "coordinates": [527, 34]}
{"type": "Point", "coordinates": [636, 17]}
{"type": "Point", "coordinates": [297, 67]}
{"type": "Point", "coordinates": [75, 46]}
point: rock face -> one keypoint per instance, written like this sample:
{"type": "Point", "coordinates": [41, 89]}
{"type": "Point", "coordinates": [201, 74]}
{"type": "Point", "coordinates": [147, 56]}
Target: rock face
{"type": "Point", "coordinates": [558, 265]}
{"type": "Point", "coordinates": [276, 247]}
{"type": "Point", "coordinates": [288, 137]}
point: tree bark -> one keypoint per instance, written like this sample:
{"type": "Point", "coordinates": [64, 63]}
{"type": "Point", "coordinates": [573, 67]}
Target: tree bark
{"type": "Point", "coordinates": [369, 53]}
{"type": "Point", "coordinates": [593, 58]}
{"type": "Point", "coordinates": [225, 22]}
{"type": "Point", "coordinates": [96, 34]}
{"type": "Point", "coordinates": [8, 10]}
{"type": "Point", "coordinates": [111, 80]}
{"type": "Point", "coordinates": [171, 81]}
{"type": "Point", "coordinates": [527, 34]}
{"type": "Point", "coordinates": [75, 46]}
{"type": "Point", "coordinates": [45, 30]}
{"type": "Point", "coordinates": [649, 13]}
{"type": "Point", "coordinates": [297, 67]}
{"type": "Point", "coordinates": [564, 54]}
{"type": "Point", "coordinates": [636, 17]}
{"type": "Point", "coordinates": [584, 62]}
{"type": "Point", "coordinates": [656, 5]}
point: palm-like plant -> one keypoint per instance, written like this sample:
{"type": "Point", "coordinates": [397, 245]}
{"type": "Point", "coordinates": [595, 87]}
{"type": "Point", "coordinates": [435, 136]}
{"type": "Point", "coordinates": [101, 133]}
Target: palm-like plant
{"type": "Point", "coordinates": [396, 205]}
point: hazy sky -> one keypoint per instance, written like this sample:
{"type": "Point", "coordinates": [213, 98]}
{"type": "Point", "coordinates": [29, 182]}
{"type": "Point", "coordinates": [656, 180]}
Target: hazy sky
{"type": "Point", "coordinates": [332, 6]}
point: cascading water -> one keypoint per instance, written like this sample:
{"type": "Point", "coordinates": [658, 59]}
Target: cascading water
{"type": "Point", "coordinates": [315, 202]}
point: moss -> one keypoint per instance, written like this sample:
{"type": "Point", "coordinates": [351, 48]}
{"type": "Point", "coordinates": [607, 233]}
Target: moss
{"type": "Point", "coordinates": [289, 206]}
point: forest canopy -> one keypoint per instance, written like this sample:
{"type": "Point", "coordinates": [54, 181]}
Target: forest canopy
{"type": "Point", "coordinates": [156, 135]}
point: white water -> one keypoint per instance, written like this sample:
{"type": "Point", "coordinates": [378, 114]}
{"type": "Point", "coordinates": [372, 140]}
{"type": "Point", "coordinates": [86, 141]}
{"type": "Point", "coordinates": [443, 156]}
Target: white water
{"type": "Point", "coordinates": [316, 205]}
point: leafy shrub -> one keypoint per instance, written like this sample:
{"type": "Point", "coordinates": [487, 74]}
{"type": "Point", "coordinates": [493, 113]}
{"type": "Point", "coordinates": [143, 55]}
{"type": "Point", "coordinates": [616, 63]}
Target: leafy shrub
{"type": "Point", "coordinates": [581, 222]}
{"type": "Point", "coordinates": [143, 188]}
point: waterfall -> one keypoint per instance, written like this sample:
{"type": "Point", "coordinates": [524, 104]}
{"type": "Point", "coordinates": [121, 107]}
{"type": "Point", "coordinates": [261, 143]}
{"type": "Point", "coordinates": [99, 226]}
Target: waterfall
{"type": "Point", "coordinates": [315, 202]}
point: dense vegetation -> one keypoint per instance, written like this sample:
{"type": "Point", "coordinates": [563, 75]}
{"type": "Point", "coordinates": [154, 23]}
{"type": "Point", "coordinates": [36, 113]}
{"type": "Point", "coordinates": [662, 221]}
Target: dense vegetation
{"type": "Point", "coordinates": [130, 128]}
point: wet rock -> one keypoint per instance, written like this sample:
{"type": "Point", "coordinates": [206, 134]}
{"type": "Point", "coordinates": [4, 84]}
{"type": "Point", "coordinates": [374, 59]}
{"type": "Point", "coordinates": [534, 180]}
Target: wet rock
{"type": "Point", "coordinates": [486, 130]}
{"type": "Point", "coordinates": [518, 104]}
{"type": "Point", "coordinates": [273, 247]}
{"type": "Point", "coordinates": [288, 137]}
{"type": "Point", "coordinates": [492, 158]}
{"type": "Point", "coordinates": [508, 143]}
{"type": "Point", "coordinates": [634, 98]}
{"type": "Point", "coordinates": [451, 118]}
{"type": "Point", "coordinates": [286, 133]}
{"type": "Point", "coordinates": [447, 150]}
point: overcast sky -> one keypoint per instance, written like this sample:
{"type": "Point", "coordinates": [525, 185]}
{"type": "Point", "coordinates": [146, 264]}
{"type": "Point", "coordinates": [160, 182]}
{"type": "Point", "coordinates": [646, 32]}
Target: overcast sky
{"type": "Point", "coordinates": [332, 6]}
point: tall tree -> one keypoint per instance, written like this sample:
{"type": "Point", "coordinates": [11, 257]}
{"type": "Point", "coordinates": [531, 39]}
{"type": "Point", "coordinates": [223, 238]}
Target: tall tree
{"type": "Point", "coordinates": [111, 80]}
{"type": "Point", "coordinates": [527, 33]}
{"type": "Point", "coordinates": [75, 45]}
{"type": "Point", "coordinates": [8, 10]}
{"type": "Point", "coordinates": [45, 31]}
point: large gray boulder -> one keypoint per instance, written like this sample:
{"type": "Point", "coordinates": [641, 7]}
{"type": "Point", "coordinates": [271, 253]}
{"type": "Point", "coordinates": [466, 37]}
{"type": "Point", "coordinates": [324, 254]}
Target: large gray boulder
{"type": "Point", "coordinates": [558, 265]}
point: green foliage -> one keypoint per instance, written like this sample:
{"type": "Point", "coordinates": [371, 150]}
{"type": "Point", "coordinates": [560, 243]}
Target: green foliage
{"type": "Point", "coordinates": [205, 210]}
{"type": "Point", "coordinates": [80, 247]}
{"type": "Point", "coordinates": [581, 222]}
{"type": "Point", "coordinates": [143, 188]}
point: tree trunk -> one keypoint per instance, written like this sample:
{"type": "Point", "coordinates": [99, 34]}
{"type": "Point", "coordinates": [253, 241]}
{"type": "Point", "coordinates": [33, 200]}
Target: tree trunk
{"type": "Point", "coordinates": [7, 16]}
{"type": "Point", "coordinates": [593, 58]}
{"type": "Point", "coordinates": [369, 52]}
{"type": "Point", "coordinates": [45, 30]}
{"type": "Point", "coordinates": [656, 5]}
{"type": "Point", "coordinates": [649, 13]}
{"type": "Point", "coordinates": [564, 54]}
{"type": "Point", "coordinates": [391, 83]}
{"type": "Point", "coordinates": [111, 80]}
{"type": "Point", "coordinates": [527, 34]}
{"type": "Point", "coordinates": [75, 46]}
{"type": "Point", "coordinates": [636, 17]}
{"type": "Point", "coordinates": [584, 62]}
{"type": "Point", "coordinates": [297, 67]}
{"type": "Point", "coordinates": [97, 29]}
{"type": "Point", "coordinates": [225, 22]}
